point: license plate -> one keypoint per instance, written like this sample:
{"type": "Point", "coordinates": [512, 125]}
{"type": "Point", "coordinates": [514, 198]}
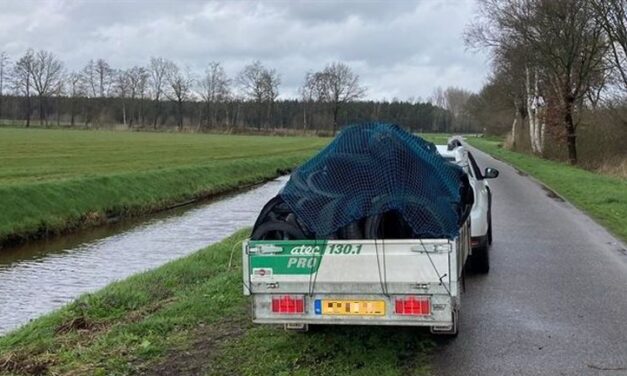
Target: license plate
{"type": "Point", "coordinates": [350, 307]}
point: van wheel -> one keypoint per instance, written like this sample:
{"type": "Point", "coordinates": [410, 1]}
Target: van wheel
{"type": "Point", "coordinates": [480, 258]}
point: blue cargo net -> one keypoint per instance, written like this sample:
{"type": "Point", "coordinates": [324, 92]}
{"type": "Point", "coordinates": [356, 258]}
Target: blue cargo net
{"type": "Point", "coordinates": [374, 168]}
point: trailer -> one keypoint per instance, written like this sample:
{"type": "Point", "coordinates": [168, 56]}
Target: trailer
{"type": "Point", "coordinates": [402, 282]}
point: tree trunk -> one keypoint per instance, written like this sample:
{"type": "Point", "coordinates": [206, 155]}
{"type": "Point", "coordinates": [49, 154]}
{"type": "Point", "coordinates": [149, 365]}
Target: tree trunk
{"type": "Point", "coordinates": [28, 110]}
{"type": "Point", "coordinates": [208, 115]}
{"type": "Point", "coordinates": [259, 116]}
{"type": "Point", "coordinates": [141, 112]}
{"type": "Point", "coordinates": [180, 108]}
{"type": "Point", "coordinates": [539, 108]}
{"type": "Point", "coordinates": [58, 111]}
{"type": "Point", "coordinates": [132, 111]}
{"type": "Point", "coordinates": [157, 110]}
{"type": "Point", "coordinates": [41, 110]}
{"type": "Point", "coordinates": [530, 112]}
{"type": "Point", "coordinates": [514, 130]}
{"type": "Point", "coordinates": [72, 112]}
{"type": "Point", "coordinates": [123, 113]}
{"type": "Point", "coordinates": [571, 137]}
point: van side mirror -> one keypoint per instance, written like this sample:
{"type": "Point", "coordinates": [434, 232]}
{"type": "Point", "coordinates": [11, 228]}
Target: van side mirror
{"type": "Point", "coordinates": [490, 173]}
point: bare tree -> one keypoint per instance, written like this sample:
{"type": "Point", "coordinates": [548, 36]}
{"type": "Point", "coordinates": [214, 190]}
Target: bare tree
{"type": "Point", "coordinates": [612, 15]}
{"type": "Point", "coordinates": [180, 85]}
{"type": "Point", "coordinates": [46, 74]}
{"type": "Point", "coordinates": [308, 95]}
{"type": "Point", "coordinates": [137, 80]}
{"type": "Point", "coordinates": [76, 89]}
{"type": "Point", "coordinates": [98, 76]}
{"type": "Point", "coordinates": [89, 78]}
{"type": "Point", "coordinates": [510, 68]}
{"type": "Point", "coordinates": [565, 43]}
{"type": "Point", "coordinates": [59, 92]}
{"type": "Point", "coordinates": [260, 85]}
{"type": "Point", "coordinates": [158, 71]}
{"type": "Point", "coordinates": [21, 78]}
{"type": "Point", "coordinates": [337, 85]}
{"type": "Point", "coordinates": [438, 98]}
{"type": "Point", "coordinates": [271, 81]}
{"type": "Point", "coordinates": [98, 79]}
{"type": "Point", "coordinates": [122, 87]}
{"type": "Point", "coordinates": [215, 90]}
{"type": "Point", "coordinates": [4, 63]}
{"type": "Point", "coordinates": [105, 76]}
{"type": "Point", "coordinates": [456, 100]}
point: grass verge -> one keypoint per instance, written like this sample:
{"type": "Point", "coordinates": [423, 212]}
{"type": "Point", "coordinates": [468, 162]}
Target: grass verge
{"type": "Point", "coordinates": [602, 197]}
{"type": "Point", "coordinates": [56, 180]}
{"type": "Point", "coordinates": [189, 317]}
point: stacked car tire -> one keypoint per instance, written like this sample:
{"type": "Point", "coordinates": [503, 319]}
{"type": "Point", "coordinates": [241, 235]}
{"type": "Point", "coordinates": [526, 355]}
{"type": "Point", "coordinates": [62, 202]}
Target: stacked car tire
{"type": "Point", "coordinates": [278, 222]}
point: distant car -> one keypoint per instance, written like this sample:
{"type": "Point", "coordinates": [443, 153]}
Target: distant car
{"type": "Point", "coordinates": [481, 213]}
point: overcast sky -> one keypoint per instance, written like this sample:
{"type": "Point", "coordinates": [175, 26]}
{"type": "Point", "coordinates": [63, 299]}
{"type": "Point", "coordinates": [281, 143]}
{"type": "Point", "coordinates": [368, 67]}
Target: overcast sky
{"type": "Point", "coordinates": [399, 49]}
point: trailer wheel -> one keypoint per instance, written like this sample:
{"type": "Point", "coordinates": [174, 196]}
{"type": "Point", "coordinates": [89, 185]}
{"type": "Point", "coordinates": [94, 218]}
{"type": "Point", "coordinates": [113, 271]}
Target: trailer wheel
{"type": "Point", "coordinates": [274, 230]}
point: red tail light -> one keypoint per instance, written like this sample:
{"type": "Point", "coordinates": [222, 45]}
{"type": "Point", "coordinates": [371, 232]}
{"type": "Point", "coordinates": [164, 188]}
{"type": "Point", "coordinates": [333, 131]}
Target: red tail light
{"type": "Point", "coordinates": [415, 306]}
{"type": "Point", "coordinates": [288, 304]}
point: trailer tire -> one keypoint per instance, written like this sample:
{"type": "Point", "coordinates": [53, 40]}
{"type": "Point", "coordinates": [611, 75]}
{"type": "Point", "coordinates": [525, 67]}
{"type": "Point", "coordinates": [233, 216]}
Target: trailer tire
{"type": "Point", "coordinates": [275, 230]}
{"type": "Point", "coordinates": [351, 231]}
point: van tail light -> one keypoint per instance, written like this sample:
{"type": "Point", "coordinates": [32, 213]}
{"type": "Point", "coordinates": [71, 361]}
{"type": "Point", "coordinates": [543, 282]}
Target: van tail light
{"type": "Point", "coordinates": [288, 304]}
{"type": "Point", "coordinates": [413, 306]}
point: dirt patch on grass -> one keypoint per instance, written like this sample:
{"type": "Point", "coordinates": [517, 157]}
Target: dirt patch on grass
{"type": "Point", "coordinates": [22, 363]}
{"type": "Point", "coordinates": [206, 343]}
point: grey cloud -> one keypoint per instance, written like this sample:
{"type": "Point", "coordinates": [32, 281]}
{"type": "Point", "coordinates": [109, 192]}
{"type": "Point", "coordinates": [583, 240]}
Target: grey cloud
{"type": "Point", "coordinates": [399, 48]}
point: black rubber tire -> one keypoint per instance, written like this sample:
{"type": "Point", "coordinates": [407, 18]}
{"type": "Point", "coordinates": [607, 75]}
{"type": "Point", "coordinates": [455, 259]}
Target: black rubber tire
{"type": "Point", "coordinates": [480, 258]}
{"type": "Point", "coordinates": [351, 231]}
{"type": "Point", "coordinates": [490, 230]}
{"type": "Point", "coordinates": [272, 205]}
{"type": "Point", "coordinates": [276, 230]}
{"type": "Point", "coordinates": [375, 227]}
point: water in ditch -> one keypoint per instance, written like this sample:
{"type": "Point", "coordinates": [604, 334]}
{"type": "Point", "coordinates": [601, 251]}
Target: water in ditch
{"type": "Point", "coordinates": [38, 277]}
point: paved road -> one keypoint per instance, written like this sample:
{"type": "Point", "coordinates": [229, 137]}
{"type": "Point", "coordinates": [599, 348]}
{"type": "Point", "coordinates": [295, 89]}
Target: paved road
{"type": "Point", "coordinates": [555, 300]}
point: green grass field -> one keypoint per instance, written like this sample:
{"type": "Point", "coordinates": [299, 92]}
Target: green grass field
{"type": "Point", "coordinates": [189, 317]}
{"type": "Point", "coordinates": [55, 180]}
{"type": "Point", "coordinates": [602, 197]}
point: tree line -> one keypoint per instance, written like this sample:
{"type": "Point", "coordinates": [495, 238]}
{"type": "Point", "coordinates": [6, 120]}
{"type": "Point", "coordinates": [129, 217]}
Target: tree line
{"type": "Point", "coordinates": [553, 61]}
{"type": "Point", "coordinates": [35, 87]}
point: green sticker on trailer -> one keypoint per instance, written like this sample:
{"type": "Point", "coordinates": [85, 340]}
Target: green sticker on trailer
{"type": "Point", "coordinates": [296, 257]}
{"type": "Point", "coordinates": [300, 258]}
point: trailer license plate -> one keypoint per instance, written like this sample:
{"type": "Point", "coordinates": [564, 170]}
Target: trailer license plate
{"type": "Point", "coordinates": [351, 307]}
